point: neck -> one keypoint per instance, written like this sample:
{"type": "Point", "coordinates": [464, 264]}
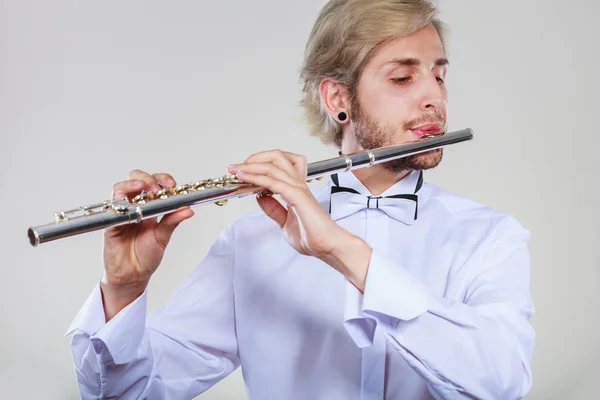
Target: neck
{"type": "Point", "coordinates": [377, 179]}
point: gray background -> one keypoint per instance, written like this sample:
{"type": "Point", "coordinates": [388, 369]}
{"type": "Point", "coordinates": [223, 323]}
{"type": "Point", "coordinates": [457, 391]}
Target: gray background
{"type": "Point", "coordinates": [91, 90]}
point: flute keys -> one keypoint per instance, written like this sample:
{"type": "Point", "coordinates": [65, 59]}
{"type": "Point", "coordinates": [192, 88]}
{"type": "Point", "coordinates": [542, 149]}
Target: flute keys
{"type": "Point", "coordinates": [60, 216]}
{"type": "Point", "coordinates": [200, 185]}
{"type": "Point", "coordinates": [183, 189]}
{"type": "Point", "coordinates": [264, 193]}
{"type": "Point", "coordinates": [88, 210]}
{"type": "Point", "coordinates": [120, 206]}
{"type": "Point", "coordinates": [232, 179]}
{"type": "Point", "coordinates": [142, 198]}
{"type": "Point", "coordinates": [217, 182]}
{"type": "Point", "coordinates": [164, 193]}
{"type": "Point", "coordinates": [107, 206]}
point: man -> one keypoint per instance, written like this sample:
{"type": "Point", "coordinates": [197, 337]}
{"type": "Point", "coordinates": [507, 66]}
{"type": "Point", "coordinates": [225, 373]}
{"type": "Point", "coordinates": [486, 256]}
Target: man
{"type": "Point", "coordinates": [379, 286]}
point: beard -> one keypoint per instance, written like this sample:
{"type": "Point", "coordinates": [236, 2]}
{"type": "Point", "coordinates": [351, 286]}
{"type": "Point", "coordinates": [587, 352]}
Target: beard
{"type": "Point", "coordinates": [371, 135]}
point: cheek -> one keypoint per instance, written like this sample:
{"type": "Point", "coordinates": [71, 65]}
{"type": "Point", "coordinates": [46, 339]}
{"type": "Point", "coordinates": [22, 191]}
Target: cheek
{"type": "Point", "coordinates": [395, 105]}
{"type": "Point", "coordinates": [387, 102]}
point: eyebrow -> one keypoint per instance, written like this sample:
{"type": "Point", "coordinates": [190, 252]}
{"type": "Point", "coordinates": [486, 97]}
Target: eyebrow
{"type": "Point", "coordinates": [410, 62]}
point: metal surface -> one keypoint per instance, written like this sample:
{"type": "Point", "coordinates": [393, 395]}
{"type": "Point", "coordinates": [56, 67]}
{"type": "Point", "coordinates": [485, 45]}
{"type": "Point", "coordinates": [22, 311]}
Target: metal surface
{"type": "Point", "coordinates": [219, 190]}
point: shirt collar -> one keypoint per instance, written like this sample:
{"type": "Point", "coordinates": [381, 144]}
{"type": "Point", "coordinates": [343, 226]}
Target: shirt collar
{"type": "Point", "coordinates": [410, 184]}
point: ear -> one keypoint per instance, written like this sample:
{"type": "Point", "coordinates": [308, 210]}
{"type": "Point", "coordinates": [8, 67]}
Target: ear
{"type": "Point", "coordinates": [335, 98]}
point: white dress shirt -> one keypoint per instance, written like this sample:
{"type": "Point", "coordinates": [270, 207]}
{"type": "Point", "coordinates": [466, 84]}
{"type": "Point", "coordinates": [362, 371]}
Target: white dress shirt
{"type": "Point", "coordinates": [445, 311]}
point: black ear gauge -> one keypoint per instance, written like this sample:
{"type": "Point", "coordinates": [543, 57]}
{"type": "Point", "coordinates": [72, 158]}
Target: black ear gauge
{"type": "Point", "coordinates": [342, 116]}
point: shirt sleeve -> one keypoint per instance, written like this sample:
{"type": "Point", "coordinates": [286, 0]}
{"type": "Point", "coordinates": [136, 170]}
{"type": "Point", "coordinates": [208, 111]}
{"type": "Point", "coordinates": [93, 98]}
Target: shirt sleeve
{"type": "Point", "coordinates": [178, 351]}
{"type": "Point", "coordinates": [477, 348]}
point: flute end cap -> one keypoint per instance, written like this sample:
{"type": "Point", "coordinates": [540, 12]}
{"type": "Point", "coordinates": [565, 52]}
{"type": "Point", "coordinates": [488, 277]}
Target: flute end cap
{"type": "Point", "coordinates": [33, 236]}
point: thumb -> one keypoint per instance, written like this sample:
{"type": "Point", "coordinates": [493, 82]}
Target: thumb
{"type": "Point", "coordinates": [273, 209]}
{"type": "Point", "coordinates": [169, 222]}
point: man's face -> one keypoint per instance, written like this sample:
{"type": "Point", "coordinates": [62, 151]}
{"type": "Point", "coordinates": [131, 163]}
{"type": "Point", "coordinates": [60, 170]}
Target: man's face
{"type": "Point", "coordinates": [402, 96]}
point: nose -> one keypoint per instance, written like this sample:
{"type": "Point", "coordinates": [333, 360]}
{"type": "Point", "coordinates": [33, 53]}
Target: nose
{"type": "Point", "coordinates": [434, 96]}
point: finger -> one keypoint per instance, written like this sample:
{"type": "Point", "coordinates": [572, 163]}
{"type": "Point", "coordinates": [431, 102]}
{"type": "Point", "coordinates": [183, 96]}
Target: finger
{"type": "Point", "coordinates": [299, 163]}
{"type": "Point", "coordinates": [151, 183]}
{"type": "Point", "coordinates": [127, 188]}
{"type": "Point", "coordinates": [269, 169]}
{"type": "Point", "coordinates": [273, 209]}
{"type": "Point", "coordinates": [276, 157]}
{"type": "Point", "coordinates": [165, 180]}
{"type": "Point", "coordinates": [170, 222]}
{"type": "Point", "coordinates": [292, 195]}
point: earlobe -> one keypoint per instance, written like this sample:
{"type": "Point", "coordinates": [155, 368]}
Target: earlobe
{"type": "Point", "coordinates": [334, 98]}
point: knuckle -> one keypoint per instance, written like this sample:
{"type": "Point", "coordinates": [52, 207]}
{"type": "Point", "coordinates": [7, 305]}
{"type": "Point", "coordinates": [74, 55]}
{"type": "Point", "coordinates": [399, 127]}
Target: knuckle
{"type": "Point", "coordinates": [280, 155]}
{"type": "Point", "coordinates": [143, 176]}
{"type": "Point", "coordinates": [161, 178]}
{"type": "Point", "coordinates": [256, 156]}
{"type": "Point", "coordinates": [135, 173]}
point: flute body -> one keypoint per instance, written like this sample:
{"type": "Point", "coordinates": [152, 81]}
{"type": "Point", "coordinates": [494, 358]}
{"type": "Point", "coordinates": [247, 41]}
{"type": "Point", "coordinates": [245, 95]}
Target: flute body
{"type": "Point", "coordinates": [150, 205]}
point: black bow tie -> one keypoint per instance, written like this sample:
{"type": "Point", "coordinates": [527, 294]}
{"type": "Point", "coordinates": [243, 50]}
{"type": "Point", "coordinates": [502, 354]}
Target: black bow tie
{"type": "Point", "coordinates": [347, 201]}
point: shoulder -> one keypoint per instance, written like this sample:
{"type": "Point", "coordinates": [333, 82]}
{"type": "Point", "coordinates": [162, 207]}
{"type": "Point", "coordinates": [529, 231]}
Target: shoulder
{"type": "Point", "coordinates": [469, 216]}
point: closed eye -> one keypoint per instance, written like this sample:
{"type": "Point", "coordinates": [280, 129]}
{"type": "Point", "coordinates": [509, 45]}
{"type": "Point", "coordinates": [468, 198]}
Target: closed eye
{"type": "Point", "coordinates": [401, 80]}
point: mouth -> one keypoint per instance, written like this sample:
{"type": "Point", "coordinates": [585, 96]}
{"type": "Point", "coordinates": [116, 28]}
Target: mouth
{"type": "Point", "coordinates": [428, 131]}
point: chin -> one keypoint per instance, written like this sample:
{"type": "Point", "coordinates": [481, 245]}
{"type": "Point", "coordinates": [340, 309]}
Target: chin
{"type": "Point", "coordinates": [428, 160]}
{"type": "Point", "coordinates": [423, 161]}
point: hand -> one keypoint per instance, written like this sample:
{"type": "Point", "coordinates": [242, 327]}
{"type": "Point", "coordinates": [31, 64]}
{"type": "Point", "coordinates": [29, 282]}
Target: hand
{"type": "Point", "coordinates": [133, 252]}
{"type": "Point", "coordinates": [306, 226]}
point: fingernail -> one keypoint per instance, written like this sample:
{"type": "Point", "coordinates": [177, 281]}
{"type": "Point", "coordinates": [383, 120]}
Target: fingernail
{"type": "Point", "coordinates": [155, 188]}
{"type": "Point", "coordinates": [119, 195]}
{"type": "Point", "coordinates": [138, 183]}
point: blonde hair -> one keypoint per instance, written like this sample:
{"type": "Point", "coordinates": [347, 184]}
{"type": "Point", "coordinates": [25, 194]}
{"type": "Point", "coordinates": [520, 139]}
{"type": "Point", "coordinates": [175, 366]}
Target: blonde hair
{"type": "Point", "coordinates": [343, 40]}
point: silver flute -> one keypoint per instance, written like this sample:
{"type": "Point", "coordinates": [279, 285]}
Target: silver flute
{"type": "Point", "coordinates": [146, 205]}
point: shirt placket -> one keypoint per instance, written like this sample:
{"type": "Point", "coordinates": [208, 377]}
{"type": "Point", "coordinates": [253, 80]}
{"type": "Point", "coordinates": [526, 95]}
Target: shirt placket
{"type": "Point", "coordinates": [373, 357]}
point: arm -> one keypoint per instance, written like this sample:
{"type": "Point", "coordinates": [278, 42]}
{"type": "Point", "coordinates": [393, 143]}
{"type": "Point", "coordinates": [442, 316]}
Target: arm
{"type": "Point", "coordinates": [477, 348]}
{"type": "Point", "coordinates": [176, 352]}
{"type": "Point", "coordinates": [480, 347]}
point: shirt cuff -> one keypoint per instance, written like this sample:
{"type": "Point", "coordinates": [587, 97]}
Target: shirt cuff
{"type": "Point", "coordinates": [122, 335]}
{"type": "Point", "coordinates": [90, 317]}
{"type": "Point", "coordinates": [392, 293]}
{"type": "Point", "coordinates": [360, 328]}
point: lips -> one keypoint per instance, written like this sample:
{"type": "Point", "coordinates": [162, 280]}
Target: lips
{"type": "Point", "coordinates": [427, 129]}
